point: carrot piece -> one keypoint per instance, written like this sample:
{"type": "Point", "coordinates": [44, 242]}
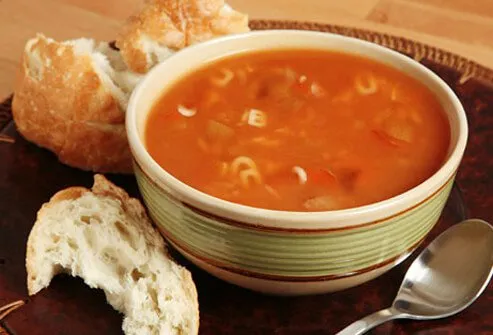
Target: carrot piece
{"type": "Point", "coordinates": [387, 139]}
{"type": "Point", "coordinates": [320, 176]}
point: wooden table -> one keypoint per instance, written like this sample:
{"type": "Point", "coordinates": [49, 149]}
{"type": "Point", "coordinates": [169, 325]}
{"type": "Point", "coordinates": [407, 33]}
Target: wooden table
{"type": "Point", "coordinates": [460, 26]}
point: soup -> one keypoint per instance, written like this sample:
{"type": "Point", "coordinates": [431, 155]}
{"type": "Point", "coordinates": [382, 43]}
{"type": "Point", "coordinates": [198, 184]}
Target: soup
{"type": "Point", "coordinates": [298, 130]}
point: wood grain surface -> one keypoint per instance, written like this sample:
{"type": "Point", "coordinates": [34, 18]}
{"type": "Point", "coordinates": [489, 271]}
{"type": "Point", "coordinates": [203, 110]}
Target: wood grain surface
{"type": "Point", "coordinates": [461, 26]}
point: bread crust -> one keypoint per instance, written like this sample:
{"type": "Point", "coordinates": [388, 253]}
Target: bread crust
{"type": "Point", "coordinates": [175, 24]}
{"type": "Point", "coordinates": [133, 207]}
{"type": "Point", "coordinates": [63, 106]}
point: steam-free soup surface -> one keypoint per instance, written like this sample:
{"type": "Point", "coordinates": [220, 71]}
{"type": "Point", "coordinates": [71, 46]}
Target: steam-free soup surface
{"type": "Point", "coordinates": [298, 130]}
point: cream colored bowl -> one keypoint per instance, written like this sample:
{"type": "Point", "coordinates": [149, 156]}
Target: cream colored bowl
{"type": "Point", "coordinates": [289, 253]}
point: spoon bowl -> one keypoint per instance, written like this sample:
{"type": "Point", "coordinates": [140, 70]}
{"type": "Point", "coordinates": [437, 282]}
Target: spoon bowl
{"type": "Point", "coordinates": [447, 277]}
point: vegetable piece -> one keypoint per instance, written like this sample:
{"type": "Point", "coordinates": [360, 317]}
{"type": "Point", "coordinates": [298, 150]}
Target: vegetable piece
{"type": "Point", "coordinates": [321, 203]}
{"type": "Point", "coordinates": [256, 118]}
{"type": "Point", "coordinates": [399, 131]}
{"type": "Point", "coordinates": [317, 90]}
{"type": "Point", "coordinates": [219, 131]}
{"type": "Point", "coordinates": [383, 136]}
{"type": "Point", "coordinates": [301, 174]}
{"type": "Point", "coordinates": [288, 73]}
{"type": "Point", "coordinates": [322, 177]}
{"type": "Point", "coordinates": [186, 112]}
{"type": "Point", "coordinates": [347, 177]}
{"type": "Point", "coordinates": [367, 85]}
{"type": "Point", "coordinates": [274, 84]}
{"type": "Point", "coordinates": [396, 124]}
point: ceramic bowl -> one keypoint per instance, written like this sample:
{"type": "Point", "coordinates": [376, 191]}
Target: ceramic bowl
{"type": "Point", "coordinates": [278, 252]}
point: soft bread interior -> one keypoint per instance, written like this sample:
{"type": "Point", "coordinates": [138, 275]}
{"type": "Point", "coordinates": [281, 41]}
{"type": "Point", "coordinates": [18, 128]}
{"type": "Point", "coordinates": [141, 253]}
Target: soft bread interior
{"type": "Point", "coordinates": [113, 71]}
{"type": "Point", "coordinates": [109, 242]}
{"type": "Point", "coordinates": [34, 61]}
{"type": "Point", "coordinates": [155, 52]}
{"type": "Point", "coordinates": [107, 64]}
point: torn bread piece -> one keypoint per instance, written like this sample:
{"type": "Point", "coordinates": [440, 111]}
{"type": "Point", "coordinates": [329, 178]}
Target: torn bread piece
{"type": "Point", "coordinates": [71, 99]}
{"type": "Point", "coordinates": [71, 96]}
{"type": "Point", "coordinates": [163, 27]}
{"type": "Point", "coordinates": [106, 238]}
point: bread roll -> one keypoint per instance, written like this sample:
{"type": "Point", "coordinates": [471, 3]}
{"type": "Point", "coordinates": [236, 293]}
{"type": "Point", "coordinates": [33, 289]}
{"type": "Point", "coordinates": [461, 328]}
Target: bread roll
{"type": "Point", "coordinates": [106, 238]}
{"type": "Point", "coordinates": [71, 96]}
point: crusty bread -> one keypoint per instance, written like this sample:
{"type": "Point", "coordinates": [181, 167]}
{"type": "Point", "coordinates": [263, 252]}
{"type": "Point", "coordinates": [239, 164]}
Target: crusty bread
{"type": "Point", "coordinates": [165, 26]}
{"type": "Point", "coordinates": [71, 96]}
{"type": "Point", "coordinates": [106, 238]}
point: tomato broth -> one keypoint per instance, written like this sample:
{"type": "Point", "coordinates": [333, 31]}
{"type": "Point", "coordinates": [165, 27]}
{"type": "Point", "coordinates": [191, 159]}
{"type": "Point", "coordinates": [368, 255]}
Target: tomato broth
{"type": "Point", "coordinates": [298, 130]}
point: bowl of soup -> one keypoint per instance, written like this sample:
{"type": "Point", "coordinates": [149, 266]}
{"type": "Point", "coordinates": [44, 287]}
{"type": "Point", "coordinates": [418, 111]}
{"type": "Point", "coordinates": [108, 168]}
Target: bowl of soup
{"type": "Point", "coordinates": [294, 162]}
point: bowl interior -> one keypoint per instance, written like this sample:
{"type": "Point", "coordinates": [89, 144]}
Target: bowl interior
{"type": "Point", "coordinates": [182, 63]}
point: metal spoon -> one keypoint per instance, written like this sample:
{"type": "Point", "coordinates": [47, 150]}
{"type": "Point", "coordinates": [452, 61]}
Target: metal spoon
{"type": "Point", "coordinates": [447, 277]}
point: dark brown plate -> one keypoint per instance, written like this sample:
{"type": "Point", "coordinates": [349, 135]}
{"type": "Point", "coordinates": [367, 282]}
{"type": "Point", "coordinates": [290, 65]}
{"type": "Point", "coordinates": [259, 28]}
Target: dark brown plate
{"type": "Point", "coordinates": [30, 175]}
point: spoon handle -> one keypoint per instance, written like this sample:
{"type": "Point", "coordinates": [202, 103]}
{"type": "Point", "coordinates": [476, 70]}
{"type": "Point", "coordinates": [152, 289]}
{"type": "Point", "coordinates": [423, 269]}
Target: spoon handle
{"type": "Point", "coordinates": [368, 322]}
